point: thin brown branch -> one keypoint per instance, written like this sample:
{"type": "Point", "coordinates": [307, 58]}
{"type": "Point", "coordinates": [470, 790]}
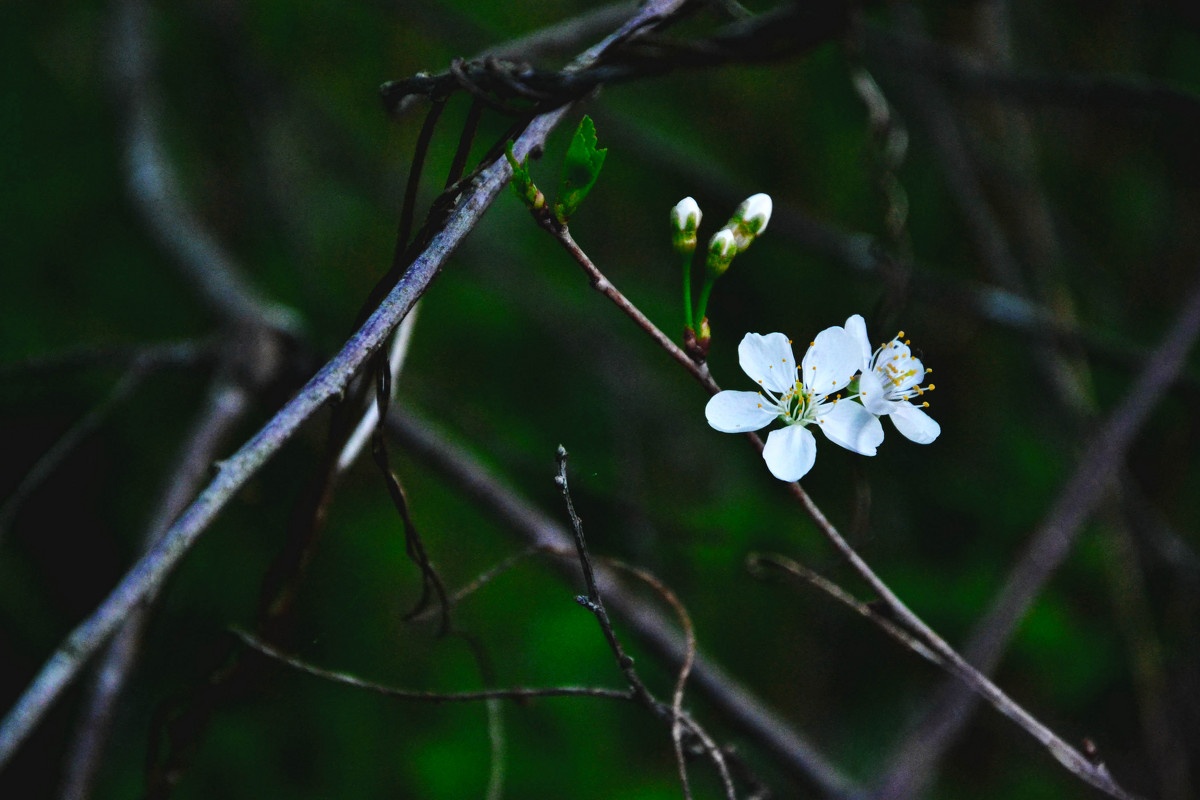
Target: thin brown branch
{"type": "Point", "coordinates": [742, 709]}
{"type": "Point", "coordinates": [431, 582]}
{"type": "Point", "coordinates": [594, 602]}
{"type": "Point", "coordinates": [758, 564]}
{"type": "Point", "coordinates": [1054, 537]}
{"type": "Point", "coordinates": [514, 693]}
{"type": "Point", "coordinates": [1077, 763]}
{"type": "Point", "coordinates": [601, 284]}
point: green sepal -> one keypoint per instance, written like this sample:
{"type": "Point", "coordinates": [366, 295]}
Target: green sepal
{"type": "Point", "coordinates": [580, 169]}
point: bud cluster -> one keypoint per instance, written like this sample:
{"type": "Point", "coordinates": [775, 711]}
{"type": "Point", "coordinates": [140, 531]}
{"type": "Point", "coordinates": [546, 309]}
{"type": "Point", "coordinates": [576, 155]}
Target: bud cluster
{"type": "Point", "coordinates": [747, 223]}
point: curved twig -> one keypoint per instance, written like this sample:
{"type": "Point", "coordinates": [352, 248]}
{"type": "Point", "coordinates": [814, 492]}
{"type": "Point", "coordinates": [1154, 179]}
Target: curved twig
{"type": "Point", "coordinates": [734, 701]}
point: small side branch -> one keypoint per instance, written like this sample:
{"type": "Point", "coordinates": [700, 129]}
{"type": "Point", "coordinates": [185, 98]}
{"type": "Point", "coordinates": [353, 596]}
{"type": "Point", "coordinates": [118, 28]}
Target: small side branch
{"type": "Point", "coordinates": [605, 287]}
{"type": "Point", "coordinates": [346, 679]}
{"type": "Point", "coordinates": [595, 603]}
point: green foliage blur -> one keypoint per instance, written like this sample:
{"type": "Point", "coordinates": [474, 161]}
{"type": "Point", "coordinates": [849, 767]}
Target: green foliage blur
{"type": "Point", "coordinates": [273, 122]}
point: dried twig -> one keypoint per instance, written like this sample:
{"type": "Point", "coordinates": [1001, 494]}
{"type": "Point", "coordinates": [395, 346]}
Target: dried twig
{"type": "Point", "coordinates": [594, 602]}
{"type": "Point", "coordinates": [740, 708]}
{"type": "Point", "coordinates": [515, 693]}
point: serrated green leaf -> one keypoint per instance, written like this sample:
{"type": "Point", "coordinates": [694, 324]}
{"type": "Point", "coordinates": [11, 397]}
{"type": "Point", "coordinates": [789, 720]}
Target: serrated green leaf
{"type": "Point", "coordinates": [581, 168]}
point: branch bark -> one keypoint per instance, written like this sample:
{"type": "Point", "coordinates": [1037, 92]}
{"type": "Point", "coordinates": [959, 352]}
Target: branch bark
{"type": "Point", "coordinates": [149, 574]}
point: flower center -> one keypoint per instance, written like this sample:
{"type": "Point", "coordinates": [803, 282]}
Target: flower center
{"type": "Point", "coordinates": [796, 406]}
{"type": "Point", "coordinates": [899, 371]}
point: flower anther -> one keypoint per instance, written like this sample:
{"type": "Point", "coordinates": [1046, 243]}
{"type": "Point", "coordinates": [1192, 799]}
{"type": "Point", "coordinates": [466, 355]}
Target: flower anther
{"type": "Point", "coordinates": [891, 378]}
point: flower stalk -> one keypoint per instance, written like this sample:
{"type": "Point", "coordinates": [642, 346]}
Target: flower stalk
{"type": "Point", "coordinates": [747, 223]}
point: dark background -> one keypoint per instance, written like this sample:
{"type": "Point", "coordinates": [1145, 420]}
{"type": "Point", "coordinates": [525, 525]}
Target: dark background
{"type": "Point", "coordinates": [271, 118]}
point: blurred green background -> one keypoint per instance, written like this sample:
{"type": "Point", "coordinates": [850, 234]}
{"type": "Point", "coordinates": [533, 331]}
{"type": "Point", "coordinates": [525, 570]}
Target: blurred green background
{"type": "Point", "coordinates": [271, 117]}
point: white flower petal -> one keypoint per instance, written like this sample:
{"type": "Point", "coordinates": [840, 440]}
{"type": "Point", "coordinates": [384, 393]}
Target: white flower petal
{"type": "Point", "coordinates": [914, 423]}
{"type": "Point", "coordinates": [856, 326]}
{"type": "Point", "coordinates": [739, 412]}
{"type": "Point", "coordinates": [754, 213]}
{"type": "Point", "coordinates": [790, 452]}
{"type": "Point", "coordinates": [685, 216]}
{"type": "Point", "coordinates": [873, 395]}
{"type": "Point", "coordinates": [851, 426]}
{"type": "Point", "coordinates": [768, 360]}
{"type": "Point", "coordinates": [831, 361]}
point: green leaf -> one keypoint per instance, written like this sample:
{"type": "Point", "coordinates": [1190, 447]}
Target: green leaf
{"type": "Point", "coordinates": [522, 184]}
{"type": "Point", "coordinates": [581, 167]}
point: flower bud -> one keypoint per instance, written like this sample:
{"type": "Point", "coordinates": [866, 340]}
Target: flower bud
{"type": "Point", "coordinates": [722, 247]}
{"type": "Point", "coordinates": [685, 219]}
{"type": "Point", "coordinates": [751, 219]}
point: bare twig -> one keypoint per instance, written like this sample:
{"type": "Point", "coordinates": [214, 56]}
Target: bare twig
{"type": "Point", "coordinates": [152, 570]}
{"type": "Point", "coordinates": [515, 693]}
{"type": "Point", "coordinates": [734, 701]}
{"type": "Point", "coordinates": [1083, 767]}
{"type": "Point", "coordinates": [594, 602]}
{"type": "Point", "coordinates": [605, 287]}
{"type": "Point", "coordinates": [1087, 486]}
{"type": "Point", "coordinates": [431, 582]}
{"type": "Point", "coordinates": [223, 411]}
{"type": "Point", "coordinates": [758, 562]}
{"type": "Point", "coordinates": [149, 574]}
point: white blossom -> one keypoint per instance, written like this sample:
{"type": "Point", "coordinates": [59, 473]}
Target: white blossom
{"type": "Point", "coordinates": [797, 401]}
{"type": "Point", "coordinates": [891, 378]}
